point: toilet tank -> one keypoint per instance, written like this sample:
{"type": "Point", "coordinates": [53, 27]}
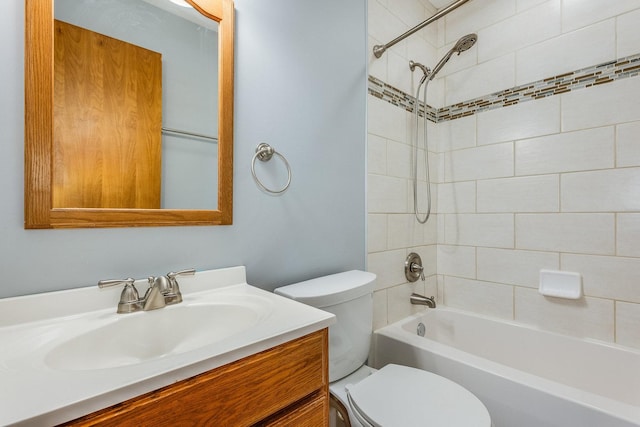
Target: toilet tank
{"type": "Point", "coordinates": [349, 296]}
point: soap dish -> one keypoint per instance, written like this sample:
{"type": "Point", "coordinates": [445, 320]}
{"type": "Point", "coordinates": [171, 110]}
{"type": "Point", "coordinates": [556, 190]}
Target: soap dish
{"type": "Point", "coordinates": [560, 284]}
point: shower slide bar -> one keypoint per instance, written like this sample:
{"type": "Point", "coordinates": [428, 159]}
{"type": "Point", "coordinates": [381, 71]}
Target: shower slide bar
{"type": "Point", "coordinates": [379, 49]}
{"type": "Point", "coordinates": [177, 132]}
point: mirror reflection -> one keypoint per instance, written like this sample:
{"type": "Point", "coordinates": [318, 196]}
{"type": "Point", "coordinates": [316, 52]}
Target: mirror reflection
{"type": "Point", "coordinates": [135, 105]}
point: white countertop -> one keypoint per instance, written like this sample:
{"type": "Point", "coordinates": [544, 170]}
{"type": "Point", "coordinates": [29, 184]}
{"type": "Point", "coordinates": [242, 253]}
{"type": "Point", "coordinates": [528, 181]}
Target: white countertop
{"type": "Point", "coordinates": [33, 393]}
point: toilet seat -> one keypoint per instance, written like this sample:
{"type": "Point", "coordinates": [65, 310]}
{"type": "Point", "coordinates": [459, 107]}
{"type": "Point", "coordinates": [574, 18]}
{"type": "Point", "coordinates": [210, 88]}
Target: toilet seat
{"type": "Point", "coordinates": [402, 396]}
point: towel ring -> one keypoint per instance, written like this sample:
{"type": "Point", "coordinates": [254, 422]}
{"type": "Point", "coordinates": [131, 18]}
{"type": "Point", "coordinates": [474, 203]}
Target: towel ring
{"type": "Point", "coordinates": [264, 153]}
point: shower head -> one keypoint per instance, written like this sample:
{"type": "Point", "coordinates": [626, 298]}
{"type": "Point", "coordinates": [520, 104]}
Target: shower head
{"type": "Point", "coordinates": [461, 45]}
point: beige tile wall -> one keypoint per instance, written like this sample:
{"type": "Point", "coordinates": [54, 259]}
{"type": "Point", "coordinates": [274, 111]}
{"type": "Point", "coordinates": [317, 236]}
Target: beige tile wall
{"type": "Point", "coordinates": [547, 184]}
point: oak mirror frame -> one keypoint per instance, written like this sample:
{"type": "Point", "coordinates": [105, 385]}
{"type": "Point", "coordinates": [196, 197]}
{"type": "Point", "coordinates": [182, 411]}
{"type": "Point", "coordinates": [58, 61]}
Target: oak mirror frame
{"type": "Point", "coordinates": [39, 80]}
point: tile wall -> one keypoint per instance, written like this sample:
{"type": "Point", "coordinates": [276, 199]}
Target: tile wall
{"type": "Point", "coordinates": [551, 183]}
{"type": "Point", "coordinates": [393, 232]}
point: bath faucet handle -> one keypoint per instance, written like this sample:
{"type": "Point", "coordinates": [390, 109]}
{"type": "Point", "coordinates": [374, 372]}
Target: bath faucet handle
{"type": "Point", "coordinates": [129, 298]}
{"type": "Point", "coordinates": [417, 268]}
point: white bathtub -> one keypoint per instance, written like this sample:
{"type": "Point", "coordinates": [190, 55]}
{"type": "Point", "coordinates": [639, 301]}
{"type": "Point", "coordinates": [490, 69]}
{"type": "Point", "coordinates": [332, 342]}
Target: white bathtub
{"type": "Point", "coordinates": [525, 377]}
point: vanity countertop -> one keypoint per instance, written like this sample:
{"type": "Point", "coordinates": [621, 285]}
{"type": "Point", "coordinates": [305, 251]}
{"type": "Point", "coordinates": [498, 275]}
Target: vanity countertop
{"type": "Point", "coordinates": [42, 386]}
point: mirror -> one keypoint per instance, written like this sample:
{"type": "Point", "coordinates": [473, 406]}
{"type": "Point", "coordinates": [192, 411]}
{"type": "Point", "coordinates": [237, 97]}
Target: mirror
{"type": "Point", "coordinates": [46, 169]}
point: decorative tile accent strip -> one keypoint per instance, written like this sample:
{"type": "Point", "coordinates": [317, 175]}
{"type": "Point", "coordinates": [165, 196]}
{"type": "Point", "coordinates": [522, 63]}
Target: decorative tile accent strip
{"type": "Point", "coordinates": [556, 85]}
{"type": "Point", "coordinates": [388, 93]}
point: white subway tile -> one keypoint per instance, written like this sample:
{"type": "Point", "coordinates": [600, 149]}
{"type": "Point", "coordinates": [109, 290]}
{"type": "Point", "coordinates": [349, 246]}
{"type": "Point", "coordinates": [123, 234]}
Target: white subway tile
{"type": "Point", "coordinates": [458, 197]}
{"type": "Point", "coordinates": [411, 13]}
{"type": "Point", "coordinates": [586, 317]}
{"type": "Point", "coordinates": [383, 119]}
{"type": "Point", "coordinates": [523, 29]}
{"type": "Point", "coordinates": [491, 230]}
{"type": "Point", "coordinates": [566, 152]}
{"type": "Point", "coordinates": [525, 194]}
{"type": "Point", "coordinates": [398, 160]}
{"type": "Point", "coordinates": [579, 233]}
{"type": "Point", "coordinates": [475, 15]}
{"type": "Point", "coordinates": [526, 4]}
{"type": "Point", "coordinates": [388, 266]}
{"type": "Point", "coordinates": [609, 190]}
{"type": "Point", "coordinates": [376, 233]}
{"type": "Point", "coordinates": [457, 261]}
{"type": "Point", "coordinates": [627, 321]}
{"type": "Point", "coordinates": [579, 13]}
{"type": "Point", "coordinates": [628, 234]}
{"type": "Point", "coordinates": [514, 267]}
{"type": "Point", "coordinates": [431, 230]}
{"type": "Point", "coordinates": [606, 276]}
{"type": "Point", "coordinates": [457, 134]}
{"type": "Point", "coordinates": [484, 79]}
{"type": "Point", "coordinates": [601, 105]}
{"type": "Point", "coordinates": [380, 309]}
{"type": "Point", "coordinates": [376, 155]}
{"type": "Point", "coordinates": [403, 231]}
{"type": "Point", "coordinates": [399, 74]}
{"type": "Point", "coordinates": [386, 194]}
{"type": "Point", "coordinates": [491, 161]}
{"type": "Point", "coordinates": [526, 120]}
{"type": "Point", "coordinates": [628, 33]}
{"type": "Point", "coordinates": [588, 46]}
{"type": "Point", "coordinates": [628, 144]}
{"type": "Point", "coordinates": [479, 297]}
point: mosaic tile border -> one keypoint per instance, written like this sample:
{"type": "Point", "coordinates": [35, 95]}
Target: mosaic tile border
{"type": "Point", "coordinates": [583, 78]}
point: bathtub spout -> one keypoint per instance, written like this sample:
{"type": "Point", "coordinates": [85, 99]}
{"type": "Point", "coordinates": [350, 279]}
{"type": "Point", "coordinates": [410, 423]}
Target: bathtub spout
{"type": "Point", "coordinates": [422, 300]}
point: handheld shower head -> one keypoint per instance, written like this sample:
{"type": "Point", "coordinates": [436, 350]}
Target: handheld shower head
{"type": "Point", "coordinates": [465, 43]}
{"type": "Point", "coordinates": [461, 45]}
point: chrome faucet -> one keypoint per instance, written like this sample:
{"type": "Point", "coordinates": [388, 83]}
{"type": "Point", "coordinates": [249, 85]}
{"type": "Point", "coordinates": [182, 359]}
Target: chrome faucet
{"type": "Point", "coordinates": [418, 299]}
{"type": "Point", "coordinates": [162, 291]}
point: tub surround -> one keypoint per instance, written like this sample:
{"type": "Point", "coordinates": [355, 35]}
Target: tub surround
{"type": "Point", "coordinates": [31, 326]}
{"type": "Point", "coordinates": [532, 156]}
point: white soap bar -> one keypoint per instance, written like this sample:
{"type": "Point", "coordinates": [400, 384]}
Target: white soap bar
{"type": "Point", "coordinates": [560, 284]}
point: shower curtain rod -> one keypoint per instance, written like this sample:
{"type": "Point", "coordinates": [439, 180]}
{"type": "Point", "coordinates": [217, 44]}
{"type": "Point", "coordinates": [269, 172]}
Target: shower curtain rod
{"type": "Point", "coordinates": [379, 49]}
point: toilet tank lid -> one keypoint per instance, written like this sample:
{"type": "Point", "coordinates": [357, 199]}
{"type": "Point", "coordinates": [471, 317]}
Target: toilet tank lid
{"type": "Point", "coordinates": [329, 290]}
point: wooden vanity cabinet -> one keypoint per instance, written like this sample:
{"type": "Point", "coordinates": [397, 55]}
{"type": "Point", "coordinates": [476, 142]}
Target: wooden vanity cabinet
{"type": "Point", "coordinates": [286, 385]}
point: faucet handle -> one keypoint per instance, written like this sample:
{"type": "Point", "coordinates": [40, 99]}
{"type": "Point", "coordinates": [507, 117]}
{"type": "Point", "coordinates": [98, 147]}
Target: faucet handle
{"type": "Point", "coordinates": [115, 282]}
{"type": "Point", "coordinates": [174, 295]}
{"type": "Point", "coordinates": [129, 298]}
{"type": "Point", "coordinates": [188, 272]}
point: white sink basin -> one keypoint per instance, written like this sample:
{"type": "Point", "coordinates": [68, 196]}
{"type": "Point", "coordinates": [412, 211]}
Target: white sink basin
{"type": "Point", "coordinates": [139, 337]}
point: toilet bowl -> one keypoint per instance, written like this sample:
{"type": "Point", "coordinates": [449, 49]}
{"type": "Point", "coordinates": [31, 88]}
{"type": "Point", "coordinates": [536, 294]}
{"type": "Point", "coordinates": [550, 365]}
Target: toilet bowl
{"type": "Point", "coordinates": [395, 395]}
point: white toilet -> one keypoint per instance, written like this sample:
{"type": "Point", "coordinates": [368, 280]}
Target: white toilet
{"type": "Point", "coordinates": [394, 396]}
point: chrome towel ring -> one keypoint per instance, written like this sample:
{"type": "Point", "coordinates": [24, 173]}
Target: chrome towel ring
{"type": "Point", "coordinates": [264, 153]}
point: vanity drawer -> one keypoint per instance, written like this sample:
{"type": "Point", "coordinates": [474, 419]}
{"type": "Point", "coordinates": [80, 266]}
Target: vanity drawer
{"type": "Point", "coordinates": [310, 412]}
{"type": "Point", "coordinates": [241, 393]}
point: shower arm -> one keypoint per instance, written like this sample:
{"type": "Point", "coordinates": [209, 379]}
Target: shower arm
{"type": "Point", "coordinates": [379, 49]}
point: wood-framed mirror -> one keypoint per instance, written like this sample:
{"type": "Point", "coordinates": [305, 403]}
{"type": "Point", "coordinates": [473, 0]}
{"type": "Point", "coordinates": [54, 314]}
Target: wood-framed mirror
{"type": "Point", "coordinates": [43, 208]}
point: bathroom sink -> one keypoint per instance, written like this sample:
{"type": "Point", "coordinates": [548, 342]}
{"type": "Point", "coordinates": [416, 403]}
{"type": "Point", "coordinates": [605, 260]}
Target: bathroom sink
{"type": "Point", "coordinates": [76, 338]}
{"type": "Point", "coordinates": [136, 338]}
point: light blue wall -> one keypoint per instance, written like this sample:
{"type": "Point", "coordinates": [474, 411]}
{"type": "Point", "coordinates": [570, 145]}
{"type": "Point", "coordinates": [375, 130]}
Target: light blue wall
{"type": "Point", "coordinates": [301, 86]}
